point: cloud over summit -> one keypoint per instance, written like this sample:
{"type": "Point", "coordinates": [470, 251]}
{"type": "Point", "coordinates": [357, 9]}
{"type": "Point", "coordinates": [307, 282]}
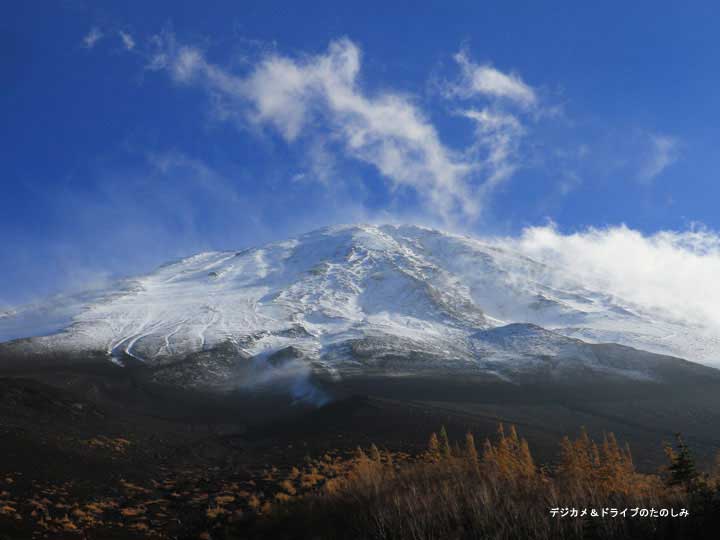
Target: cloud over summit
{"type": "Point", "coordinates": [670, 271]}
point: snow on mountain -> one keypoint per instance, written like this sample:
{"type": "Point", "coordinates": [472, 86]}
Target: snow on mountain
{"type": "Point", "coordinates": [349, 296]}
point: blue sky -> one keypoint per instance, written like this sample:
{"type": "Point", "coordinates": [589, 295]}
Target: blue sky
{"type": "Point", "coordinates": [138, 132]}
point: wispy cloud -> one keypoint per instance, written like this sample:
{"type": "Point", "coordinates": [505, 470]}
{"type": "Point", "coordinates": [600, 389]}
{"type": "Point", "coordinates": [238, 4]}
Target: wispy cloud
{"type": "Point", "coordinates": [498, 104]}
{"type": "Point", "coordinates": [662, 152]}
{"type": "Point", "coordinates": [127, 40]}
{"type": "Point", "coordinates": [488, 81]}
{"type": "Point", "coordinates": [321, 106]}
{"type": "Point", "coordinates": [318, 99]}
{"type": "Point", "coordinates": [498, 136]}
{"type": "Point", "coordinates": [321, 94]}
{"type": "Point", "coordinates": [92, 37]}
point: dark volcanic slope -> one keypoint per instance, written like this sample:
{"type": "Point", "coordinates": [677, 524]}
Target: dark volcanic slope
{"type": "Point", "coordinates": [392, 411]}
{"type": "Point", "coordinates": [108, 438]}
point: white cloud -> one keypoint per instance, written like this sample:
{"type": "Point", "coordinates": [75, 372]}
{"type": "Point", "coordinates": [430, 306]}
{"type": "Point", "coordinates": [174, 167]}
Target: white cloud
{"type": "Point", "coordinates": [676, 272]}
{"type": "Point", "coordinates": [662, 152]}
{"type": "Point", "coordinates": [498, 135]}
{"type": "Point", "coordinates": [487, 81]}
{"type": "Point", "coordinates": [499, 123]}
{"type": "Point", "coordinates": [317, 102]}
{"type": "Point", "coordinates": [92, 37]}
{"type": "Point", "coordinates": [321, 94]}
{"type": "Point", "coordinates": [127, 40]}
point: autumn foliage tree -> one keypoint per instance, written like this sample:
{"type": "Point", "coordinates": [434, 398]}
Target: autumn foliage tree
{"type": "Point", "coordinates": [433, 451]}
{"type": "Point", "coordinates": [445, 450]}
{"type": "Point", "coordinates": [451, 492]}
{"type": "Point", "coordinates": [375, 453]}
{"type": "Point", "coordinates": [470, 450]}
{"type": "Point", "coordinates": [510, 456]}
{"type": "Point", "coordinates": [604, 469]}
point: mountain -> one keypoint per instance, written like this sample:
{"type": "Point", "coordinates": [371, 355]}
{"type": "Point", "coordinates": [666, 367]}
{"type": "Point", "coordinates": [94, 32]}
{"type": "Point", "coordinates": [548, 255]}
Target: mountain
{"type": "Point", "coordinates": [358, 300]}
{"type": "Point", "coordinates": [213, 378]}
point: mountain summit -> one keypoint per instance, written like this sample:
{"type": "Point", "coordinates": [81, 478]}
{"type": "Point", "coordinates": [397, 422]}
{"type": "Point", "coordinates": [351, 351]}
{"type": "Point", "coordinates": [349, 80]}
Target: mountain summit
{"type": "Point", "coordinates": [356, 299]}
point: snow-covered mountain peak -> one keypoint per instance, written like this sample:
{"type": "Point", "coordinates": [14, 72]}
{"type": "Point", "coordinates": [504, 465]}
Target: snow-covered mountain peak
{"type": "Point", "coordinates": [335, 286]}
